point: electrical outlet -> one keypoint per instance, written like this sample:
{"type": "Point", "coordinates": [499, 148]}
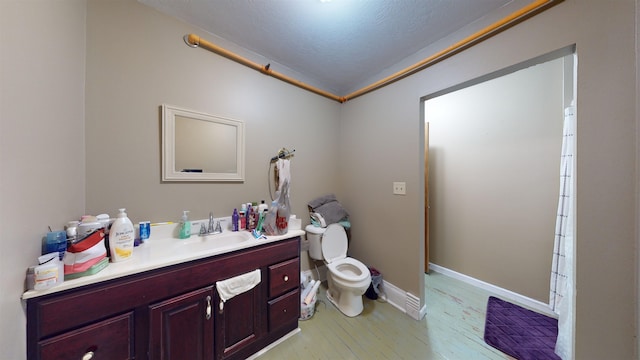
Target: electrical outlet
{"type": "Point", "coordinates": [400, 188]}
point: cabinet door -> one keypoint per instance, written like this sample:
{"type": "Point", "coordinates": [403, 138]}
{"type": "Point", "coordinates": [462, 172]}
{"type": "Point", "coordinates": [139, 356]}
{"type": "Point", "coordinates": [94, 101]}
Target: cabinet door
{"type": "Point", "coordinates": [238, 322]}
{"type": "Point", "coordinates": [182, 327]}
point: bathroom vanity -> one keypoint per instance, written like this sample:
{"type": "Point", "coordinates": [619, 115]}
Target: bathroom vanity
{"type": "Point", "coordinates": [171, 311]}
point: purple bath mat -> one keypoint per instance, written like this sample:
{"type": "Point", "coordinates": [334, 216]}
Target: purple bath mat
{"type": "Point", "coordinates": [519, 332]}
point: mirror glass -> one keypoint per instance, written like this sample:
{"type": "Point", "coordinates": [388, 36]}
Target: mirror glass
{"type": "Point", "coordinates": [201, 147]}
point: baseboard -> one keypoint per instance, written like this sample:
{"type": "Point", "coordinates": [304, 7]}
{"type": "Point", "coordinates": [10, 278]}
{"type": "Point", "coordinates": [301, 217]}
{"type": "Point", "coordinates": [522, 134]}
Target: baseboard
{"type": "Point", "coordinates": [503, 293]}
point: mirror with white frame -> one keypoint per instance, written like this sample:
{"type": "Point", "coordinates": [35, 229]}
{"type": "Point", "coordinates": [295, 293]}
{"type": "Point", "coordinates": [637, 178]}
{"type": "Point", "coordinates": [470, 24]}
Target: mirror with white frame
{"type": "Point", "coordinates": [201, 147]}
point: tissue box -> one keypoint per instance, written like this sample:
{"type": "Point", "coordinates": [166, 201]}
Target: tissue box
{"type": "Point", "coordinates": [295, 223]}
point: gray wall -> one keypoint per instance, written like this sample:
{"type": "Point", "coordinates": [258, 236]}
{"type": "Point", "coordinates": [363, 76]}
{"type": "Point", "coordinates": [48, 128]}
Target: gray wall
{"type": "Point", "coordinates": [356, 149]}
{"type": "Point", "coordinates": [42, 176]}
{"type": "Point", "coordinates": [385, 126]}
{"type": "Point", "coordinates": [136, 61]}
{"type": "Point", "coordinates": [494, 174]}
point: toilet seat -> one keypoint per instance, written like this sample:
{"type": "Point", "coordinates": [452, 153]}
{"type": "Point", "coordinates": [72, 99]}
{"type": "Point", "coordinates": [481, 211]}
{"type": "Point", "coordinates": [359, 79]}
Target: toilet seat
{"type": "Point", "coordinates": [334, 250]}
{"type": "Point", "coordinates": [349, 269]}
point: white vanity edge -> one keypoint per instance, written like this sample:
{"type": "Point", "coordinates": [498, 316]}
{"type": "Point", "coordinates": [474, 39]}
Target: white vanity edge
{"type": "Point", "coordinates": [150, 256]}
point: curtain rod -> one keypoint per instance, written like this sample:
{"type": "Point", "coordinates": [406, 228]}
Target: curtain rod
{"type": "Point", "coordinates": [516, 17]}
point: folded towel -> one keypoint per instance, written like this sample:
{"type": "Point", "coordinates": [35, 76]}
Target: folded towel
{"type": "Point", "coordinates": [328, 208]}
{"type": "Point", "coordinates": [237, 284]}
{"type": "Point", "coordinates": [332, 212]}
{"type": "Point", "coordinates": [322, 200]}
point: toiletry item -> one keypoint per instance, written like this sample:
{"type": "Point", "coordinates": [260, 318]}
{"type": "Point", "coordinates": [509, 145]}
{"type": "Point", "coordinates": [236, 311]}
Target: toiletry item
{"type": "Point", "coordinates": [185, 226]}
{"type": "Point", "coordinates": [105, 220]}
{"type": "Point", "coordinates": [247, 216]}
{"type": "Point", "coordinates": [121, 237]}
{"type": "Point", "coordinates": [72, 230]}
{"type": "Point", "coordinates": [243, 217]}
{"type": "Point", "coordinates": [263, 206]}
{"type": "Point", "coordinates": [269, 223]}
{"type": "Point", "coordinates": [56, 242]}
{"type": "Point", "coordinates": [251, 219]}
{"type": "Point", "coordinates": [235, 220]}
{"type": "Point", "coordinates": [145, 230]}
{"type": "Point", "coordinates": [49, 272]}
{"type": "Point", "coordinates": [261, 216]}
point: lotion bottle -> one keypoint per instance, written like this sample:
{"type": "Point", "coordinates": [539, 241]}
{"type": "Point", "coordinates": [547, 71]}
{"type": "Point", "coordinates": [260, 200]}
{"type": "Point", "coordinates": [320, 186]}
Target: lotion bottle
{"type": "Point", "coordinates": [185, 226]}
{"type": "Point", "coordinates": [121, 237]}
{"type": "Point", "coordinates": [235, 220]}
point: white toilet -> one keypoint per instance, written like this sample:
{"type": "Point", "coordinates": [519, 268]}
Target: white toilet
{"type": "Point", "coordinates": [348, 278]}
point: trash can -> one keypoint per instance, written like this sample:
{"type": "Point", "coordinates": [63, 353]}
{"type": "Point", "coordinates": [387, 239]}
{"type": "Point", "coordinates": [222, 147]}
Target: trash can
{"type": "Point", "coordinates": [374, 288]}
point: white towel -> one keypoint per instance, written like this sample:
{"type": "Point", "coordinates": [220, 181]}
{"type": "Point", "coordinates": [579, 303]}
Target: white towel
{"type": "Point", "coordinates": [238, 284]}
{"type": "Point", "coordinates": [284, 172]}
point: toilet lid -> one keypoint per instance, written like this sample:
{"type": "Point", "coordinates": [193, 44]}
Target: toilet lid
{"type": "Point", "coordinates": [334, 243]}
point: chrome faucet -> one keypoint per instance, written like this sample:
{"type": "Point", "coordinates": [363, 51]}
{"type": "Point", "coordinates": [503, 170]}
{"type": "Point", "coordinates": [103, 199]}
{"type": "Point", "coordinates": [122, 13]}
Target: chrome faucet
{"type": "Point", "coordinates": [213, 227]}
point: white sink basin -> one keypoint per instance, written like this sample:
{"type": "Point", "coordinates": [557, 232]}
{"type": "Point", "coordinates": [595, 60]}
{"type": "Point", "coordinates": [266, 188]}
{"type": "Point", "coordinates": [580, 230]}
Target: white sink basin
{"type": "Point", "coordinates": [210, 242]}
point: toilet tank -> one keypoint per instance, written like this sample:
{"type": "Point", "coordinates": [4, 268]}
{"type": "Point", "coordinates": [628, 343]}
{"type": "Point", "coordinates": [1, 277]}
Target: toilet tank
{"type": "Point", "coordinates": [314, 235]}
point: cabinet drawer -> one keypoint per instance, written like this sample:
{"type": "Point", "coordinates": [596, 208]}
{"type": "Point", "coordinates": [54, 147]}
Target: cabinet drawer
{"type": "Point", "coordinates": [107, 339]}
{"type": "Point", "coordinates": [284, 276]}
{"type": "Point", "coordinates": [284, 309]}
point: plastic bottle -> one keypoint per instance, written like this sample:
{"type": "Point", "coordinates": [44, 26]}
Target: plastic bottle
{"type": "Point", "coordinates": [262, 207]}
{"type": "Point", "coordinates": [185, 226]}
{"type": "Point", "coordinates": [50, 272]}
{"type": "Point", "coordinates": [121, 237]}
{"type": "Point", "coordinates": [247, 216]}
{"type": "Point", "coordinates": [261, 218]}
{"type": "Point", "coordinates": [251, 218]}
{"type": "Point", "coordinates": [235, 220]}
{"type": "Point", "coordinates": [269, 223]}
{"type": "Point", "coordinates": [243, 218]}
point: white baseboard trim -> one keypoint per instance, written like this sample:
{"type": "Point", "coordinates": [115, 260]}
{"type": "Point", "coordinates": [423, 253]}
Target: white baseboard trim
{"type": "Point", "coordinates": [503, 293]}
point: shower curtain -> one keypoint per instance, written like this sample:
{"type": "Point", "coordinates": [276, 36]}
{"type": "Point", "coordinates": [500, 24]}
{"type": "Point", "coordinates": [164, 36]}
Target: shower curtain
{"type": "Point", "coordinates": [562, 285]}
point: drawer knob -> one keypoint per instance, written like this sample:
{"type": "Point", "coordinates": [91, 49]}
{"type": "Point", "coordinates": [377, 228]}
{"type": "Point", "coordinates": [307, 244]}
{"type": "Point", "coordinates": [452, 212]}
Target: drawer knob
{"type": "Point", "coordinates": [285, 278]}
{"type": "Point", "coordinates": [88, 355]}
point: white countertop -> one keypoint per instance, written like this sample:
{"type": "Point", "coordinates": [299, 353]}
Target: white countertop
{"type": "Point", "coordinates": [164, 249]}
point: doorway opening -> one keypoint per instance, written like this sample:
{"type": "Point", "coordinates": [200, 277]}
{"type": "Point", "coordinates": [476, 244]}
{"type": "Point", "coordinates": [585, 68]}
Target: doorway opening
{"type": "Point", "coordinates": [492, 159]}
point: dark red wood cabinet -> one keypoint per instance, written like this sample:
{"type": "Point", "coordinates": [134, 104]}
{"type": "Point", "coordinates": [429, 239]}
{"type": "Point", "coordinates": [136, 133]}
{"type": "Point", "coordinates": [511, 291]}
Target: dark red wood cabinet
{"type": "Point", "coordinates": [172, 312]}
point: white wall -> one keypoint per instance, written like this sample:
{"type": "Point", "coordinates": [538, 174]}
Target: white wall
{"type": "Point", "coordinates": [42, 180]}
{"type": "Point", "coordinates": [385, 126]}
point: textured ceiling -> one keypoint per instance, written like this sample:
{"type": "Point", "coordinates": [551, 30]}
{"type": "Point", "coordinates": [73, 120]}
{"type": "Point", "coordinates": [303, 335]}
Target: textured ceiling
{"type": "Point", "coordinates": [335, 45]}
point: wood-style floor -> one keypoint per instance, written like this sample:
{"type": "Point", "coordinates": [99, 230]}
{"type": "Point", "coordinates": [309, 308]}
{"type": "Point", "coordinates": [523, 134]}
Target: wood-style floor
{"type": "Point", "coordinates": [452, 329]}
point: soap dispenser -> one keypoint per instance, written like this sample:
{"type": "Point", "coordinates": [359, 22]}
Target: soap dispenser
{"type": "Point", "coordinates": [121, 237]}
{"type": "Point", "coordinates": [185, 226]}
